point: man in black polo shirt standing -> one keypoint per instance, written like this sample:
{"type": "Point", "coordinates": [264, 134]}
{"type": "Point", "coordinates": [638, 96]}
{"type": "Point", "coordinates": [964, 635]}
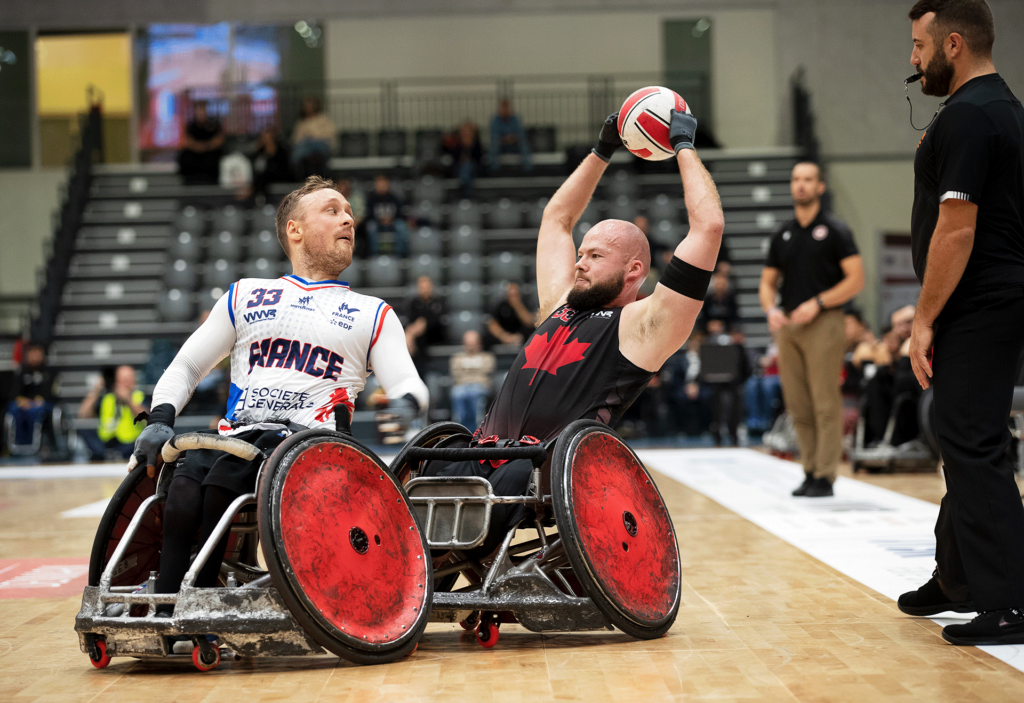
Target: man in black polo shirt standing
{"type": "Point", "coordinates": [820, 269]}
{"type": "Point", "coordinates": [968, 244]}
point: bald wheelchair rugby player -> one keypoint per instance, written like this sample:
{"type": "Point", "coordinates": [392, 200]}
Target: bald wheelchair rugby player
{"type": "Point", "coordinates": [596, 346]}
{"type": "Point", "coordinates": [301, 347]}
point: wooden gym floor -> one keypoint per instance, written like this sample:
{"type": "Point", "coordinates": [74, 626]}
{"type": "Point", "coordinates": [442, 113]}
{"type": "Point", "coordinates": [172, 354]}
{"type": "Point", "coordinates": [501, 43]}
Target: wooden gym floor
{"type": "Point", "coordinates": [760, 620]}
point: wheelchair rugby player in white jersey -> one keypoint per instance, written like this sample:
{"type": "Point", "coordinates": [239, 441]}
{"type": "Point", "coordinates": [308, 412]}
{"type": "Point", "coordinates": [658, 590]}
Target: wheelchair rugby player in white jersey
{"type": "Point", "coordinates": [301, 347]}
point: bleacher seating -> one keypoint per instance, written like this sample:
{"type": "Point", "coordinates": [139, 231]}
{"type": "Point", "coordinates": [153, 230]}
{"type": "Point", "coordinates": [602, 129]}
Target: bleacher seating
{"type": "Point", "coordinates": [151, 253]}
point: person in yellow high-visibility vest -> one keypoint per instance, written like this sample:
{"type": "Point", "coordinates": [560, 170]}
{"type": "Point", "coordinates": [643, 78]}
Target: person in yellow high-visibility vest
{"type": "Point", "coordinates": [116, 410]}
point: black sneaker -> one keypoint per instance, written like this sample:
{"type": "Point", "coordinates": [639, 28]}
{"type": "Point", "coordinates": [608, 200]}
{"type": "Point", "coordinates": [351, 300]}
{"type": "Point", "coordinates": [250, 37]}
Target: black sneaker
{"type": "Point", "coordinates": [1004, 626]}
{"type": "Point", "coordinates": [802, 490]}
{"type": "Point", "coordinates": [819, 488]}
{"type": "Point", "coordinates": [930, 599]}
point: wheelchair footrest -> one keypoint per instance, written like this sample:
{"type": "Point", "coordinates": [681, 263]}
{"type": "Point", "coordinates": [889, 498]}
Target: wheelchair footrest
{"type": "Point", "coordinates": [253, 622]}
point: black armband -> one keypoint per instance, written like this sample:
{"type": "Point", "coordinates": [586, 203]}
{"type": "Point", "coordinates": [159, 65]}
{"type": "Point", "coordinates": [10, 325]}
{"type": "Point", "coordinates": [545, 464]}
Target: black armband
{"type": "Point", "coordinates": [686, 279]}
{"type": "Point", "coordinates": [162, 414]}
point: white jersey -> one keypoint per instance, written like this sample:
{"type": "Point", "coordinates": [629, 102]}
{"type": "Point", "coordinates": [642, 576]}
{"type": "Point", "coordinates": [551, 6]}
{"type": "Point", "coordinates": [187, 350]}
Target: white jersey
{"type": "Point", "coordinates": [300, 348]}
{"type": "Point", "coordinates": [297, 349]}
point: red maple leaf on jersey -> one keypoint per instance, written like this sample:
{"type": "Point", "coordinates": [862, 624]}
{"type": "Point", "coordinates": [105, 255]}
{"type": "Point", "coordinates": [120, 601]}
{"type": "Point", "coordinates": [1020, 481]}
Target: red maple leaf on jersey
{"type": "Point", "coordinates": [549, 355]}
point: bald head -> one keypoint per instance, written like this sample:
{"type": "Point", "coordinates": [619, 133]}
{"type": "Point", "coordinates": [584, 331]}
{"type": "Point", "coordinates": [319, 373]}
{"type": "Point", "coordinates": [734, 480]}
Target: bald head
{"type": "Point", "coordinates": [614, 260]}
{"type": "Point", "coordinates": [625, 239]}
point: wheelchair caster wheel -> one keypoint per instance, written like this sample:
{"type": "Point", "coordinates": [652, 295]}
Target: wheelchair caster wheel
{"type": "Point", "coordinates": [104, 659]}
{"type": "Point", "coordinates": [206, 657]}
{"type": "Point", "coordinates": [487, 634]}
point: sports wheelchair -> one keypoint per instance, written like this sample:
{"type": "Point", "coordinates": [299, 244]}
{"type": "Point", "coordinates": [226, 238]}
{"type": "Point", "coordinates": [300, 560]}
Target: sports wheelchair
{"type": "Point", "coordinates": [347, 548]}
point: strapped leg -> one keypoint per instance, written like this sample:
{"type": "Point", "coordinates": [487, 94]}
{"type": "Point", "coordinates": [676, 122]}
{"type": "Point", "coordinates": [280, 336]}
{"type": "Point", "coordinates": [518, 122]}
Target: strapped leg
{"type": "Point", "coordinates": [182, 516]}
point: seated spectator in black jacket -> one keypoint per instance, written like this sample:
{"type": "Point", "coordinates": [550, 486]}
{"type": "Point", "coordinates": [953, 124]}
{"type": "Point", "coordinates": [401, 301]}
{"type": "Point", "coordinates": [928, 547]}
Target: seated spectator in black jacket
{"type": "Point", "coordinates": [424, 322]}
{"type": "Point", "coordinates": [270, 161]}
{"type": "Point", "coordinates": [720, 303]}
{"type": "Point", "coordinates": [463, 146]}
{"type": "Point", "coordinates": [386, 228]}
{"type": "Point", "coordinates": [888, 374]}
{"type": "Point", "coordinates": [34, 388]}
{"type": "Point", "coordinates": [510, 321]}
{"type": "Point", "coordinates": [724, 368]}
{"type": "Point", "coordinates": [199, 159]}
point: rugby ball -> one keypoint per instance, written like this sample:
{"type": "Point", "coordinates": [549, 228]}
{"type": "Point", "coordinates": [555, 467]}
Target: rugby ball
{"type": "Point", "coordinates": [644, 121]}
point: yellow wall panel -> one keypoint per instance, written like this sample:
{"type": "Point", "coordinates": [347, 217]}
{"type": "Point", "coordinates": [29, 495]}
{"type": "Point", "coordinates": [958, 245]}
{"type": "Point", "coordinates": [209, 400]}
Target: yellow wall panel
{"type": "Point", "coordinates": [67, 65]}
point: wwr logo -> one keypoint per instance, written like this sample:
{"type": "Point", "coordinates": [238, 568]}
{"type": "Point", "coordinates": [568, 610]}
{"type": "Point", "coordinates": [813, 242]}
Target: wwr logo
{"type": "Point", "coordinates": [306, 300]}
{"type": "Point", "coordinates": [260, 316]}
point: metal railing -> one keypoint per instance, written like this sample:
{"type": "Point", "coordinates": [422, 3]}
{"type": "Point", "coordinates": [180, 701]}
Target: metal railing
{"type": "Point", "coordinates": [66, 224]}
{"type": "Point", "coordinates": [575, 105]}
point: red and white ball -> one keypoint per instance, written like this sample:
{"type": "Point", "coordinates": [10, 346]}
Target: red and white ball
{"type": "Point", "coordinates": [644, 121]}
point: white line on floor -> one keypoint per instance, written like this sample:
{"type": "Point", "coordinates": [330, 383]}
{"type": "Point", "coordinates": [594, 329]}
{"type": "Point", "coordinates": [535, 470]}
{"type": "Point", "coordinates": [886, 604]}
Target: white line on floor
{"type": "Point", "coordinates": [881, 538]}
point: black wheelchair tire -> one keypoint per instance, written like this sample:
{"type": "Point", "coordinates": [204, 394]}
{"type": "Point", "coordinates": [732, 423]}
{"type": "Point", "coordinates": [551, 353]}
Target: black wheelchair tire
{"type": "Point", "coordinates": [136, 484]}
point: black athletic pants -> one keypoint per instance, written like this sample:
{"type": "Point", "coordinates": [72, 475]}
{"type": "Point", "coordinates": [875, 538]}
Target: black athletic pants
{"type": "Point", "coordinates": [979, 534]}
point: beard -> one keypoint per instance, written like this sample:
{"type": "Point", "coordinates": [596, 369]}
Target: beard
{"type": "Point", "coordinates": [938, 76]}
{"type": "Point", "coordinates": [597, 295]}
{"type": "Point", "coordinates": [326, 260]}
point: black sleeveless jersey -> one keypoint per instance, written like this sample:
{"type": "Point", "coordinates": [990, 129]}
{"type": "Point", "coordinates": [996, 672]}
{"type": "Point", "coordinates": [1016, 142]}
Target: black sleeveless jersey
{"type": "Point", "coordinates": [570, 368]}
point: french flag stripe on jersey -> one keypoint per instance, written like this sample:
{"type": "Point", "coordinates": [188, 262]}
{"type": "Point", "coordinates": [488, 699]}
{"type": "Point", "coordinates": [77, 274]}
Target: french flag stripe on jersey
{"type": "Point", "coordinates": [233, 299]}
{"type": "Point", "coordinates": [378, 325]}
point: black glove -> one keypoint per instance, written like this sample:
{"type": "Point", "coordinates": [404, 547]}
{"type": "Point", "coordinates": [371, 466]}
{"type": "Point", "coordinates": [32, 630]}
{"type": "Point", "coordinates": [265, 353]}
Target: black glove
{"type": "Point", "coordinates": [394, 420]}
{"type": "Point", "coordinates": [681, 130]}
{"type": "Point", "coordinates": [152, 440]}
{"type": "Point", "coordinates": [608, 140]}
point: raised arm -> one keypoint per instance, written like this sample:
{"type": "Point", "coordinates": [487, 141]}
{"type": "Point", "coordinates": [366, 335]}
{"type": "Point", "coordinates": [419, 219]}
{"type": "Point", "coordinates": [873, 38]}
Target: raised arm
{"type": "Point", "coordinates": [556, 252]}
{"type": "Point", "coordinates": [654, 328]}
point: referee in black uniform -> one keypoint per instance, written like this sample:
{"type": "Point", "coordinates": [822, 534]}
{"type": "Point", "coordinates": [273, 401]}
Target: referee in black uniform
{"type": "Point", "coordinates": [968, 245]}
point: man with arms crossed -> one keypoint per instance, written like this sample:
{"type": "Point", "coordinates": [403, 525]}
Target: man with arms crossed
{"type": "Point", "coordinates": [301, 347]}
{"type": "Point", "coordinates": [967, 236]}
{"type": "Point", "coordinates": [597, 346]}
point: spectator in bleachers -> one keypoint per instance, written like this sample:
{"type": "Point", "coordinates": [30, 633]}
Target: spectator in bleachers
{"type": "Point", "coordinates": [720, 303]}
{"type": "Point", "coordinates": [386, 228]}
{"type": "Point", "coordinates": [270, 161]}
{"type": "Point", "coordinates": [471, 370]}
{"type": "Point", "coordinates": [689, 401]}
{"type": "Point", "coordinates": [313, 140]}
{"type": "Point", "coordinates": [199, 158]}
{"type": "Point", "coordinates": [425, 322]}
{"type": "Point", "coordinates": [357, 200]}
{"type": "Point", "coordinates": [888, 376]}
{"type": "Point", "coordinates": [859, 343]}
{"type": "Point", "coordinates": [724, 369]}
{"type": "Point", "coordinates": [463, 145]}
{"type": "Point", "coordinates": [763, 393]}
{"type": "Point", "coordinates": [508, 136]}
{"type": "Point", "coordinates": [510, 321]}
{"type": "Point", "coordinates": [34, 391]}
{"type": "Point", "coordinates": [657, 249]}
{"type": "Point", "coordinates": [116, 402]}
